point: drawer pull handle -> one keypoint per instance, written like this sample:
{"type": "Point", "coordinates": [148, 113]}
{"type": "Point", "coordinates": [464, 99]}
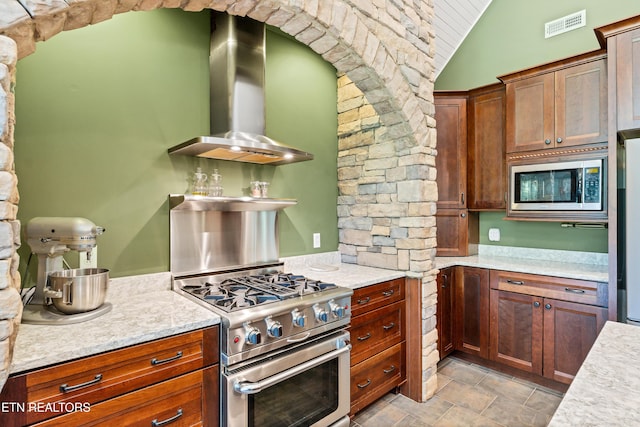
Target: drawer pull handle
{"type": "Point", "coordinates": [365, 384]}
{"type": "Point", "coordinates": [389, 326]}
{"type": "Point", "coordinates": [64, 388]}
{"type": "Point", "coordinates": [391, 369]}
{"type": "Point", "coordinates": [575, 291]}
{"type": "Point", "coordinates": [515, 282]}
{"type": "Point", "coordinates": [156, 423]}
{"type": "Point", "coordinates": [155, 361]}
{"type": "Point", "coordinates": [364, 300]}
{"type": "Point", "coordinates": [365, 337]}
{"type": "Point", "coordinates": [388, 293]}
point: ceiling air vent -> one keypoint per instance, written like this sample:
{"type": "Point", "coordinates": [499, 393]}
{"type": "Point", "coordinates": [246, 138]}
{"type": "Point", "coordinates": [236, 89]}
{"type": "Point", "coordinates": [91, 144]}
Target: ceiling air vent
{"type": "Point", "coordinates": [564, 24]}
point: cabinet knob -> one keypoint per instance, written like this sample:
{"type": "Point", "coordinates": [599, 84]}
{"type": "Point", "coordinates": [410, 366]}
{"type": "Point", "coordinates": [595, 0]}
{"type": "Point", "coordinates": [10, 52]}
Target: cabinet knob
{"type": "Point", "coordinates": [559, 140]}
{"type": "Point", "coordinates": [547, 141]}
{"type": "Point", "coordinates": [463, 215]}
{"type": "Point", "coordinates": [547, 306]}
{"type": "Point", "coordinates": [536, 304]}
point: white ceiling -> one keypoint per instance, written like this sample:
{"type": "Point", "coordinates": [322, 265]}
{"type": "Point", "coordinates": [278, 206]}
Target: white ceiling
{"type": "Point", "coordinates": [452, 22]}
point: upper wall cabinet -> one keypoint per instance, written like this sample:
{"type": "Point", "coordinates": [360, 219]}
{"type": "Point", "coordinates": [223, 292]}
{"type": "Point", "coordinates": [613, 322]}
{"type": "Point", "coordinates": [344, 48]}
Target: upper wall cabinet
{"type": "Point", "coordinates": [622, 40]}
{"type": "Point", "coordinates": [451, 161]}
{"type": "Point", "coordinates": [557, 105]}
{"type": "Point", "coordinates": [486, 166]}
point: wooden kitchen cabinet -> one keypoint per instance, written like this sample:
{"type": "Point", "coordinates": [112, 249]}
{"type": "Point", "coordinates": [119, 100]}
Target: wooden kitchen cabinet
{"type": "Point", "coordinates": [486, 161]}
{"type": "Point", "coordinates": [457, 232]}
{"type": "Point", "coordinates": [444, 315]}
{"type": "Point", "coordinates": [451, 143]}
{"type": "Point", "coordinates": [471, 311]}
{"type": "Point", "coordinates": [544, 325]}
{"type": "Point", "coordinates": [125, 384]}
{"type": "Point", "coordinates": [378, 338]}
{"type": "Point", "coordinates": [456, 227]}
{"type": "Point", "coordinates": [557, 105]}
{"type": "Point", "coordinates": [622, 41]}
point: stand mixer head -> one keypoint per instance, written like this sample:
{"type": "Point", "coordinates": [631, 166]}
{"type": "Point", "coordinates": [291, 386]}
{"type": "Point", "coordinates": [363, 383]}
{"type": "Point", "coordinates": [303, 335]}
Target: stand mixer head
{"type": "Point", "coordinates": [50, 238]}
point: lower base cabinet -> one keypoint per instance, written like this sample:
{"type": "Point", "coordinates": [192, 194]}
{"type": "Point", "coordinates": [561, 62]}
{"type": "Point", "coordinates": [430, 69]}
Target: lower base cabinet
{"type": "Point", "coordinates": [179, 402]}
{"type": "Point", "coordinates": [170, 381]}
{"type": "Point", "coordinates": [532, 330]}
{"type": "Point", "coordinates": [538, 324]}
{"type": "Point", "coordinates": [378, 339]}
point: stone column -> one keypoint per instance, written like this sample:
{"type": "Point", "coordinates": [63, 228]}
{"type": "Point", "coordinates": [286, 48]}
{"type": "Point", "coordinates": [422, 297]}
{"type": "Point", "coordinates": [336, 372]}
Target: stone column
{"type": "Point", "coordinates": [10, 302]}
{"type": "Point", "coordinates": [386, 205]}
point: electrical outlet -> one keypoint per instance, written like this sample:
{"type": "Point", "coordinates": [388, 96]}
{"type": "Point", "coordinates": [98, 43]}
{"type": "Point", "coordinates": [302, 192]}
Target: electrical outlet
{"type": "Point", "coordinates": [316, 240]}
{"type": "Point", "coordinates": [494, 234]}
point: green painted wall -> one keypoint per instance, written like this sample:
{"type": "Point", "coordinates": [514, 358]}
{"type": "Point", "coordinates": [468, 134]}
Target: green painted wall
{"type": "Point", "coordinates": [97, 108]}
{"type": "Point", "coordinates": [510, 37]}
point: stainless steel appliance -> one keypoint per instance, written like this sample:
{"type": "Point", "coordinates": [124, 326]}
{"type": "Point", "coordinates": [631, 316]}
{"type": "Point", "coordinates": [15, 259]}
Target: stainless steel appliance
{"type": "Point", "coordinates": [572, 185]}
{"type": "Point", "coordinates": [284, 344]}
{"type": "Point", "coordinates": [629, 245]}
{"type": "Point", "coordinates": [237, 64]}
{"type": "Point", "coordinates": [64, 296]}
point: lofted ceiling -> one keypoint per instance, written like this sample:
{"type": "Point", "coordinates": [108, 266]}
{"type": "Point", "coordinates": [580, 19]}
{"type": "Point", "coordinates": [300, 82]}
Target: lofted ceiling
{"type": "Point", "coordinates": [452, 22]}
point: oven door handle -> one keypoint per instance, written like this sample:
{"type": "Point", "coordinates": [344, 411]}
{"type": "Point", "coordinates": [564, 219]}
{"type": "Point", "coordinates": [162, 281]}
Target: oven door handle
{"type": "Point", "coordinates": [247, 387]}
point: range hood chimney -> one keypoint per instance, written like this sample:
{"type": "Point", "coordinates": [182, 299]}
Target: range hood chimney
{"type": "Point", "coordinates": [237, 62]}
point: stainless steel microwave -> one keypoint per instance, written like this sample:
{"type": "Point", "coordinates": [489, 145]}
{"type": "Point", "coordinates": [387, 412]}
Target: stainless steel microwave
{"type": "Point", "coordinates": [576, 185]}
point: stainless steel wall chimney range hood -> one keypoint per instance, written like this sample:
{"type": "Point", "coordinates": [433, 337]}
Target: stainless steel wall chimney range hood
{"type": "Point", "coordinates": [237, 62]}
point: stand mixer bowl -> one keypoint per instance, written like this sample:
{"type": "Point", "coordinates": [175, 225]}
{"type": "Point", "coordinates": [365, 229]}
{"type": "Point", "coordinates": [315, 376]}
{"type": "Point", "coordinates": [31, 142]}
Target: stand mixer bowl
{"type": "Point", "coordinates": [78, 290]}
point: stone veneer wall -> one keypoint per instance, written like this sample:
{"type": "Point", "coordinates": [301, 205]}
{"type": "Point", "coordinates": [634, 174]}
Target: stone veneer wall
{"type": "Point", "coordinates": [386, 205]}
{"type": "Point", "coordinates": [384, 50]}
{"type": "Point", "coordinates": [10, 301]}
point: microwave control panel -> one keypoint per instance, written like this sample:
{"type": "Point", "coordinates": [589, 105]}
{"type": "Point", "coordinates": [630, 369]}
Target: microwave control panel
{"type": "Point", "coordinates": [592, 179]}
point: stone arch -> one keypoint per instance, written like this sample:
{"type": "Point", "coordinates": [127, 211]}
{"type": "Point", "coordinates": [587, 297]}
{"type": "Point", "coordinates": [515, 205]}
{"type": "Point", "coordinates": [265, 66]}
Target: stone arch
{"type": "Point", "coordinates": [384, 48]}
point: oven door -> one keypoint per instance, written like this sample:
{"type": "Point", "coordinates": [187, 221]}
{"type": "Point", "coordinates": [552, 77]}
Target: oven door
{"type": "Point", "coordinates": [307, 385]}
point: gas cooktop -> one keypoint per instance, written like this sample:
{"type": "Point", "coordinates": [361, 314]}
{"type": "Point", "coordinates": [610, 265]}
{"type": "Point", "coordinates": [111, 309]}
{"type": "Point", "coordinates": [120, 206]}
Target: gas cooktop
{"type": "Point", "coordinates": [237, 293]}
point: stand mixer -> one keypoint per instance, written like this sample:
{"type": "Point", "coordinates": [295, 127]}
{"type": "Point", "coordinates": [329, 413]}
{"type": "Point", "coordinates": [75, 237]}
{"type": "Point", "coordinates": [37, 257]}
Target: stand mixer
{"type": "Point", "coordinates": [50, 238]}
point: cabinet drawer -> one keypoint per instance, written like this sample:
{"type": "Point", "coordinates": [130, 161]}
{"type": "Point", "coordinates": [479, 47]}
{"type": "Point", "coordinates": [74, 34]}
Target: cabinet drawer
{"type": "Point", "coordinates": [97, 378]}
{"type": "Point", "coordinates": [181, 399]}
{"type": "Point", "coordinates": [376, 296]}
{"type": "Point", "coordinates": [376, 330]}
{"type": "Point", "coordinates": [581, 291]}
{"type": "Point", "coordinates": [376, 376]}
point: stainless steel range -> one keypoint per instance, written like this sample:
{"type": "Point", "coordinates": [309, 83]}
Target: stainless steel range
{"type": "Point", "coordinates": [283, 342]}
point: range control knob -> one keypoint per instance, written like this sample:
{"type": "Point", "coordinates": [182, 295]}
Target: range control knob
{"type": "Point", "coordinates": [298, 318]}
{"type": "Point", "coordinates": [321, 313]}
{"type": "Point", "coordinates": [337, 310]}
{"type": "Point", "coordinates": [274, 328]}
{"type": "Point", "coordinates": [253, 335]}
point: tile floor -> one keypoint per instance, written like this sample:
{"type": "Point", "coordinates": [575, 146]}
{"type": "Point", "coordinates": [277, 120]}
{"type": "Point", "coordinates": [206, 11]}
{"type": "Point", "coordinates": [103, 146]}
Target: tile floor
{"type": "Point", "coordinates": [467, 395]}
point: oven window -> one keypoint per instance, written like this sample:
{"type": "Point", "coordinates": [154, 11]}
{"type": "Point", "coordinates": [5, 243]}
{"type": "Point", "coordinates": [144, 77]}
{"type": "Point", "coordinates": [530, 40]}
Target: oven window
{"type": "Point", "coordinates": [298, 401]}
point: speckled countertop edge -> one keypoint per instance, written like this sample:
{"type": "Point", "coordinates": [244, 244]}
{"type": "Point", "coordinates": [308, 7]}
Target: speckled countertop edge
{"type": "Point", "coordinates": [605, 389]}
{"type": "Point", "coordinates": [144, 309]}
{"type": "Point", "coordinates": [597, 272]}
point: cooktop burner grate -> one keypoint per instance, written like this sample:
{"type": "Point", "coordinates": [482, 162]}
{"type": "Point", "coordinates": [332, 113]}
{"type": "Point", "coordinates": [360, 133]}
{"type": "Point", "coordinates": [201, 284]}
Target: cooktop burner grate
{"type": "Point", "coordinates": [236, 293]}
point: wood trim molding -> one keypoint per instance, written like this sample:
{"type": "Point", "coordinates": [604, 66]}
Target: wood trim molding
{"type": "Point", "coordinates": [413, 299]}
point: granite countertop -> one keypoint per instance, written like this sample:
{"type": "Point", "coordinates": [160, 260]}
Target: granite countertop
{"type": "Point", "coordinates": [328, 268]}
{"type": "Point", "coordinates": [144, 309]}
{"type": "Point", "coordinates": [605, 390]}
{"type": "Point", "coordinates": [571, 265]}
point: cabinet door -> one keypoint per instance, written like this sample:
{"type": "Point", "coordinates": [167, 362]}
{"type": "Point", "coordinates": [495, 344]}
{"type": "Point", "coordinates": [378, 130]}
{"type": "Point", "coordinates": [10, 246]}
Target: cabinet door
{"type": "Point", "coordinates": [516, 330]}
{"type": "Point", "coordinates": [451, 163]}
{"type": "Point", "coordinates": [487, 170]}
{"type": "Point", "coordinates": [570, 329]}
{"type": "Point", "coordinates": [445, 281]}
{"type": "Point", "coordinates": [471, 297]}
{"type": "Point", "coordinates": [581, 104]}
{"type": "Point", "coordinates": [628, 79]}
{"type": "Point", "coordinates": [456, 232]}
{"type": "Point", "coordinates": [530, 113]}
